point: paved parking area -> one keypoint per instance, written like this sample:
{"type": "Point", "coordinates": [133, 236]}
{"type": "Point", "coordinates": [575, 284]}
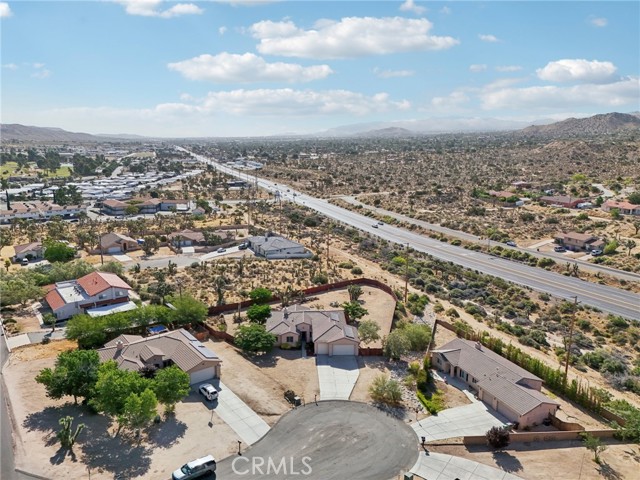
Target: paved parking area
{"type": "Point", "coordinates": [474, 419]}
{"type": "Point", "coordinates": [438, 466]}
{"type": "Point", "coordinates": [337, 376]}
{"type": "Point", "coordinates": [237, 414]}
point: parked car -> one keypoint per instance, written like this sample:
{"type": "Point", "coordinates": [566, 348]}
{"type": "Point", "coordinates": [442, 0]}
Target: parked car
{"type": "Point", "coordinates": [24, 262]}
{"type": "Point", "coordinates": [375, 225]}
{"type": "Point", "coordinates": [221, 250]}
{"type": "Point", "coordinates": [596, 253]}
{"type": "Point", "coordinates": [511, 243]}
{"type": "Point", "coordinates": [559, 248]}
{"type": "Point", "coordinates": [195, 468]}
{"type": "Point", "coordinates": [209, 391]}
{"type": "Point", "coordinates": [380, 223]}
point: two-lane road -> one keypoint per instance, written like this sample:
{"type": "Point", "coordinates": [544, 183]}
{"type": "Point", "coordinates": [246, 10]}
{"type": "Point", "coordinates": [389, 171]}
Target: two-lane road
{"type": "Point", "coordinates": [608, 299]}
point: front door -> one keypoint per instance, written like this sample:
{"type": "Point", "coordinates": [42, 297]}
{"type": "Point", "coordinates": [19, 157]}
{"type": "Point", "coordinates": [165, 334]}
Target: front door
{"type": "Point", "coordinates": [303, 336]}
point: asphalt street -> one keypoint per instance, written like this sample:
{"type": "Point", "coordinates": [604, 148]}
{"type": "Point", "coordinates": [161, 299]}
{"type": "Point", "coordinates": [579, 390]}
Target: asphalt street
{"type": "Point", "coordinates": [605, 298]}
{"type": "Point", "coordinates": [331, 440]}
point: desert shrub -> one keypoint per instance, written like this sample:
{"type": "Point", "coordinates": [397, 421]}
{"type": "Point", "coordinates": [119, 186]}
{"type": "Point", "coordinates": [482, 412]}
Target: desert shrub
{"type": "Point", "coordinates": [356, 271]}
{"type": "Point", "coordinates": [498, 437]}
{"type": "Point", "coordinates": [385, 390]}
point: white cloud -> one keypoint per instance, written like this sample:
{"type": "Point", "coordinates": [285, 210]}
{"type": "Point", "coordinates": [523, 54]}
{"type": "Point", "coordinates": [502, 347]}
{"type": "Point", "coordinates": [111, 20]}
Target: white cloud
{"type": "Point", "coordinates": [246, 3]}
{"type": "Point", "coordinates": [478, 67]}
{"type": "Point", "coordinates": [445, 10]}
{"type": "Point", "coordinates": [41, 73]}
{"type": "Point", "coordinates": [508, 68]}
{"type": "Point", "coordinates": [38, 65]}
{"type": "Point", "coordinates": [488, 38]}
{"type": "Point", "coordinates": [5, 10]}
{"type": "Point", "coordinates": [392, 73]}
{"type": "Point", "coordinates": [222, 30]}
{"type": "Point", "coordinates": [10, 66]}
{"type": "Point", "coordinates": [247, 68]}
{"type": "Point", "coordinates": [611, 95]}
{"type": "Point", "coordinates": [150, 8]}
{"type": "Point", "coordinates": [453, 100]}
{"type": "Point", "coordinates": [348, 38]}
{"type": "Point", "coordinates": [598, 21]}
{"type": "Point", "coordinates": [577, 70]}
{"type": "Point", "coordinates": [410, 6]}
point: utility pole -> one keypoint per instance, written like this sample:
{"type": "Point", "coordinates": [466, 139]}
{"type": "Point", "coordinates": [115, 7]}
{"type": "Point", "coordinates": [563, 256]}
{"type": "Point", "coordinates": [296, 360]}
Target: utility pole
{"type": "Point", "coordinates": [568, 352]}
{"type": "Point", "coordinates": [406, 273]}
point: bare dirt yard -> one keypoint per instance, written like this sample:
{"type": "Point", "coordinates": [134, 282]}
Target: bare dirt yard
{"type": "Point", "coordinates": [193, 431]}
{"type": "Point", "coordinates": [566, 460]}
{"type": "Point", "coordinates": [370, 368]}
{"type": "Point", "coordinates": [260, 381]}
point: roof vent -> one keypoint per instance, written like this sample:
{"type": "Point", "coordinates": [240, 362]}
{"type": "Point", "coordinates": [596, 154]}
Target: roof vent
{"type": "Point", "coordinates": [119, 345]}
{"type": "Point", "coordinates": [478, 345]}
{"type": "Point", "coordinates": [285, 312]}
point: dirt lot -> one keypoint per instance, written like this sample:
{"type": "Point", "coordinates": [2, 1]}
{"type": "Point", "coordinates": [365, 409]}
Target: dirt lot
{"type": "Point", "coordinates": [25, 319]}
{"type": "Point", "coordinates": [566, 460]}
{"type": "Point", "coordinates": [370, 368]}
{"type": "Point", "coordinates": [261, 381]}
{"type": "Point", "coordinates": [192, 432]}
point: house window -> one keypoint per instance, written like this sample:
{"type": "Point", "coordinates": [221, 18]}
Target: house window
{"type": "Point", "coordinates": [438, 360]}
{"type": "Point", "coordinates": [289, 339]}
{"type": "Point", "coordinates": [101, 296]}
{"type": "Point", "coordinates": [461, 373]}
{"type": "Point", "coordinates": [118, 293]}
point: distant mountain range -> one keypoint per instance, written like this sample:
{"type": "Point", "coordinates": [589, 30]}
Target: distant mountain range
{"type": "Point", "coordinates": [602, 124]}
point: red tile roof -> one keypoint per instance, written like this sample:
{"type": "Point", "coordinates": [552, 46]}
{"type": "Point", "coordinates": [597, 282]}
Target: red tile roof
{"type": "Point", "coordinates": [54, 300]}
{"type": "Point", "coordinates": [97, 282]}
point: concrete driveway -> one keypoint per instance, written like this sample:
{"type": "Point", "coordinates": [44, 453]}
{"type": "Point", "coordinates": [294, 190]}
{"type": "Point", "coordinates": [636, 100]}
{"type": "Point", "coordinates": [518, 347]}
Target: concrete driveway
{"type": "Point", "coordinates": [337, 376]}
{"type": "Point", "coordinates": [333, 440]}
{"type": "Point", "coordinates": [438, 466]}
{"type": "Point", "coordinates": [238, 415]}
{"type": "Point", "coordinates": [474, 419]}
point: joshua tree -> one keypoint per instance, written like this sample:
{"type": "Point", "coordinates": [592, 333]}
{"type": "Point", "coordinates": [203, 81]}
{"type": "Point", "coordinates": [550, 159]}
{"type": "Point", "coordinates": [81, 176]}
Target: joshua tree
{"type": "Point", "coordinates": [66, 437]}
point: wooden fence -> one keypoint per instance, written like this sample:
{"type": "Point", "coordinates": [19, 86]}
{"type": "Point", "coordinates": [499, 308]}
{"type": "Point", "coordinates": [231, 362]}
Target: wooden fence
{"type": "Point", "coordinates": [370, 352]}
{"type": "Point", "coordinates": [227, 337]}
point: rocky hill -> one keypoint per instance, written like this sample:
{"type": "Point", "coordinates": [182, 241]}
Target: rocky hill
{"type": "Point", "coordinates": [24, 133]}
{"type": "Point", "coordinates": [603, 124]}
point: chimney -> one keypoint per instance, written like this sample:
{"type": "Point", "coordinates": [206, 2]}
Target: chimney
{"type": "Point", "coordinates": [285, 312]}
{"type": "Point", "coordinates": [119, 345]}
{"type": "Point", "coordinates": [478, 345]}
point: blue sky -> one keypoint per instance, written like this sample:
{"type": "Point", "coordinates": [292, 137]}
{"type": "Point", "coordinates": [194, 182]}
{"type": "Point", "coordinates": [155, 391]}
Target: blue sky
{"type": "Point", "coordinates": [246, 68]}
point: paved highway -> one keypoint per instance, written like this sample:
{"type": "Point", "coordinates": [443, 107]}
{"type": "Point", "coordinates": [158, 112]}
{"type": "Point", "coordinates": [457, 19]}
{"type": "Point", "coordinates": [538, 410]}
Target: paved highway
{"type": "Point", "coordinates": [608, 299]}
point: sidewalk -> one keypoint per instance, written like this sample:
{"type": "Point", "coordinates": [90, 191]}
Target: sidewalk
{"type": "Point", "coordinates": [34, 337]}
{"type": "Point", "coordinates": [438, 466]}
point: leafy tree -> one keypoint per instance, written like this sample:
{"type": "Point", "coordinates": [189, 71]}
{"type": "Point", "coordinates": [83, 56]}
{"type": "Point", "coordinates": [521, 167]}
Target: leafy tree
{"type": "Point", "coordinates": [50, 319]}
{"type": "Point", "coordinates": [89, 332]}
{"type": "Point", "coordinates": [188, 310]}
{"type": "Point", "coordinates": [368, 331]}
{"type": "Point", "coordinates": [113, 267]}
{"type": "Point", "coordinates": [354, 310]}
{"type": "Point", "coordinates": [611, 247]}
{"type": "Point", "coordinates": [260, 295]}
{"type": "Point", "coordinates": [396, 344]}
{"type": "Point", "coordinates": [254, 338]}
{"type": "Point", "coordinates": [634, 198]}
{"type": "Point", "coordinates": [150, 245]}
{"type": "Point", "coordinates": [18, 288]}
{"type": "Point", "coordinates": [131, 210]}
{"type": "Point", "coordinates": [498, 437]}
{"type": "Point", "coordinates": [58, 252]}
{"type": "Point", "coordinates": [138, 409]}
{"type": "Point", "coordinates": [114, 386]}
{"type": "Point", "coordinates": [171, 385]}
{"type": "Point", "coordinates": [75, 373]}
{"type": "Point", "coordinates": [386, 390]}
{"type": "Point", "coordinates": [355, 292]}
{"type": "Point", "coordinates": [615, 213]}
{"type": "Point", "coordinates": [594, 444]}
{"type": "Point", "coordinates": [418, 335]}
{"type": "Point", "coordinates": [259, 313]}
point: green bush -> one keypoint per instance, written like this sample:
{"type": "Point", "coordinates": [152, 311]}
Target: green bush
{"type": "Point", "coordinates": [434, 403]}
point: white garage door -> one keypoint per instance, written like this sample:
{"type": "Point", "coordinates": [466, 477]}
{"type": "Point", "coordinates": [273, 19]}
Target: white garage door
{"type": "Point", "coordinates": [203, 375]}
{"type": "Point", "coordinates": [344, 350]}
{"type": "Point", "coordinates": [322, 349]}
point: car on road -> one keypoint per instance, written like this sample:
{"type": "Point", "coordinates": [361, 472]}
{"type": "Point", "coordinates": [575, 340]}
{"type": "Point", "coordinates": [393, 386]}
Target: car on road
{"type": "Point", "coordinates": [380, 223]}
{"type": "Point", "coordinates": [221, 250]}
{"type": "Point", "coordinates": [209, 391]}
{"type": "Point", "coordinates": [559, 248]}
{"type": "Point", "coordinates": [596, 253]}
{"type": "Point", "coordinates": [196, 468]}
{"type": "Point", "coordinates": [375, 225]}
{"type": "Point", "coordinates": [511, 243]}
{"type": "Point", "coordinates": [243, 246]}
{"type": "Point", "coordinates": [119, 217]}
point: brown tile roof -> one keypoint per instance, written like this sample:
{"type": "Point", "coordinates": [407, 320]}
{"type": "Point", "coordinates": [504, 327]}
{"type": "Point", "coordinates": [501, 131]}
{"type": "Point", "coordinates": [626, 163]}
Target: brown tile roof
{"type": "Point", "coordinates": [623, 205]}
{"type": "Point", "coordinates": [561, 199]}
{"type": "Point", "coordinates": [179, 346]}
{"type": "Point", "coordinates": [187, 235]}
{"type": "Point", "coordinates": [55, 300]}
{"type": "Point", "coordinates": [580, 237]}
{"type": "Point", "coordinates": [27, 246]}
{"type": "Point", "coordinates": [114, 203]}
{"type": "Point", "coordinates": [97, 282]}
{"type": "Point", "coordinates": [519, 398]}
{"type": "Point", "coordinates": [111, 239]}
{"type": "Point", "coordinates": [326, 325]}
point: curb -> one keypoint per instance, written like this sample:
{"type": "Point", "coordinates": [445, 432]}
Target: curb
{"type": "Point", "coordinates": [33, 475]}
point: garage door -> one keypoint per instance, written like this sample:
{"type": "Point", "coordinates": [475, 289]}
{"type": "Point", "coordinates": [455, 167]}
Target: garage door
{"type": "Point", "coordinates": [203, 375]}
{"type": "Point", "coordinates": [322, 349]}
{"type": "Point", "coordinates": [344, 350]}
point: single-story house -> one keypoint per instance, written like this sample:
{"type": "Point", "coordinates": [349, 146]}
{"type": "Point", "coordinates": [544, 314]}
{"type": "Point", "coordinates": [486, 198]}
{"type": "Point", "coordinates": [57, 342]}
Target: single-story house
{"type": "Point", "coordinates": [117, 243]}
{"type": "Point", "coordinates": [186, 238]}
{"type": "Point", "coordinates": [31, 251]}
{"type": "Point", "coordinates": [97, 289]}
{"type": "Point", "coordinates": [327, 329]}
{"type": "Point", "coordinates": [507, 388]}
{"type": "Point", "coordinates": [179, 347]}
{"type": "Point", "coordinates": [579, 241]}
{"type": "Point", "coordinates": [625, 208]}
{"type": "Point", "coordinates": [520, 184]}
{"type": "Point", "coordinates": [562, 201]}
{"type": "Point", "coordinates": [274, 247]}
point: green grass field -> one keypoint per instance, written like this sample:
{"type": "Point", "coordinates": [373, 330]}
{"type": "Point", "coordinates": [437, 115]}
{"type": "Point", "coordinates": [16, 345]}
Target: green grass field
{"type": "Point", "coordinates": [9, 169]}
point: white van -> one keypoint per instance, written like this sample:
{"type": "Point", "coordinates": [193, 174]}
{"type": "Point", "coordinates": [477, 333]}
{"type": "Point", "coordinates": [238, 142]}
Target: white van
{"type": "Point", "coordinates": [195, 468]}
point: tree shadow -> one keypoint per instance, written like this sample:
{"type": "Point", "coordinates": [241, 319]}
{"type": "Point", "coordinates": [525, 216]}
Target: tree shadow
{"type": "Point", "coordinates": [46, 420]}
{"type": "Point", "coordinates": [507, 462]}
{"type": "Point", "coordinates": [608, 472]}
{"type": "Point", "coordinates": [168, 432]}
{"type": "Point", "coordinates": [119, 455]}
{"type": "Point", "coordinates": [61, 454]}
{"type": "Point", "coordinates": [633, 454]}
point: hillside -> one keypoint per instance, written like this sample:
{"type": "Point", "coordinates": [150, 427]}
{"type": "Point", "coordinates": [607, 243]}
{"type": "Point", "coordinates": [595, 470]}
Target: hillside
{"type": "Point", "coordinates": [603, 124]}
{"type": "Point", "coordinates": [25, 133]}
